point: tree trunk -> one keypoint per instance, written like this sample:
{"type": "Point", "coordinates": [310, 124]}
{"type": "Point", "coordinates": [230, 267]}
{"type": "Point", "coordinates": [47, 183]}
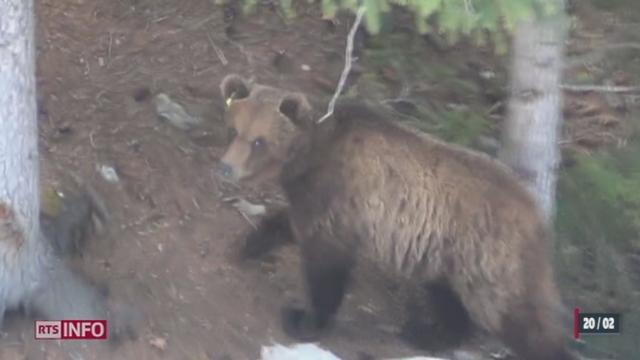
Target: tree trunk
{"type": "Point", "coordinates": [19, 169]}
{"type": "Point", "coordinates": [534, 116]}
{"type": "Point", "coordinates": [30, 273]}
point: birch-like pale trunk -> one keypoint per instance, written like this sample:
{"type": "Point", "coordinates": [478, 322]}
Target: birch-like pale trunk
{"type": "Point", "coordinates": [534, 116]}
{"type": "Point", "coordinates": [30, 274]}
{"type": "Point", "coordinates": [19, 170]}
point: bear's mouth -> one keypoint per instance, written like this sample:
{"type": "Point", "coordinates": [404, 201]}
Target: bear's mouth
{"type": "Point", "coordinates": [225, 179]}
{"type": "Point", "coordinates": [228, 174]}
{"type": "Point", "coordinates": [267, 173]}
{"type": "Point", "coordinates": [264, 173]}
{"type": "Point", "coordinates": [237, 178]}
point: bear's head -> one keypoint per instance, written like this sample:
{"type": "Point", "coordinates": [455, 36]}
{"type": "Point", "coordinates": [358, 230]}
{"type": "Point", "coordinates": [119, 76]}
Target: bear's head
{"type": "Point", "coordinates": [264, 124]}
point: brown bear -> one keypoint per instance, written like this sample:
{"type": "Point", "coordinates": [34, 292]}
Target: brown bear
{"type": "Point", "coordinates": [362, 188]}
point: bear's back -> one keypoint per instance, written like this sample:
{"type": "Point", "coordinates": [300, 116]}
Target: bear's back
{"type": "Point", "coordinates": [407, 197]}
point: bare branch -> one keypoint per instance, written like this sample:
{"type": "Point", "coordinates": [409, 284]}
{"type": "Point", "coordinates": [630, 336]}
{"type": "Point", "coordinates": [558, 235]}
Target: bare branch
{"type": "Point", "coordinates": [600, 88]}
{"type": "Point", "coordinates": [599, 53]}
{"type": "Point", "coordinates": [217, 50]}
{"type": "Point", "coordinates": [468, 6]}
{"type": "Point", "coordinates": [347, 64]}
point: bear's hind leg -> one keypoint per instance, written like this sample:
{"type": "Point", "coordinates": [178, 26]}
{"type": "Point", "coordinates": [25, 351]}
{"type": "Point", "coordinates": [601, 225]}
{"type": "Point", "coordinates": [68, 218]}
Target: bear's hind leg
{"type": "Point", "coordinates": [532, 334]}
{"type": "Point", "coordinates": [437, 322]}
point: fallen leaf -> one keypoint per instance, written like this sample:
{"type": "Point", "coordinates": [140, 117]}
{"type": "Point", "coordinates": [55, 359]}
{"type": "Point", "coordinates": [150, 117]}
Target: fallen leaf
{"type": "Point", "coordinates": [158, 343]}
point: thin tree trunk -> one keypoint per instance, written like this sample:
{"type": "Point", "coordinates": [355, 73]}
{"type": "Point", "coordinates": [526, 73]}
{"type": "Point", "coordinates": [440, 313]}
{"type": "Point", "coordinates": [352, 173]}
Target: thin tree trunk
{"type": "Point", "coordinates": [19, 171]}
{"type": "Point", "coordinates": [530, 138]}
{"type": "Point", "coordinates": [30, 273]}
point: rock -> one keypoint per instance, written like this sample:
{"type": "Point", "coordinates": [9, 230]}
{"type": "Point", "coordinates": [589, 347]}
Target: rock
{"type": "Point", "coordinates": [174, 113]}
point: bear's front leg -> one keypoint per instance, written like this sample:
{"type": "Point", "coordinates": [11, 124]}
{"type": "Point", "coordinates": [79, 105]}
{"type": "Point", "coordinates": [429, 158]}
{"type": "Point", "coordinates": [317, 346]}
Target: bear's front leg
{"type": "Point", "coordinates": [327, 269]}
{"type": "Point", "coordinates": [272, 232]}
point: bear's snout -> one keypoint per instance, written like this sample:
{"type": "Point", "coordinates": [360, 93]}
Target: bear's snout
{"type": "Point", "coordinates": [225, 171]}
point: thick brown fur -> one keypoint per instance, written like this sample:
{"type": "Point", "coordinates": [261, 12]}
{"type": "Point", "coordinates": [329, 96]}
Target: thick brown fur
{"type": "Point", "coordinates": [363, 188]}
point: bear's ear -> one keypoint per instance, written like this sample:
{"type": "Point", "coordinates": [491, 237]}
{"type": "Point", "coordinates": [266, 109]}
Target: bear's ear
{"type": "Point", "coordinates": [296, 108]}
{"type": "Point", "coordinates": [234, 87]}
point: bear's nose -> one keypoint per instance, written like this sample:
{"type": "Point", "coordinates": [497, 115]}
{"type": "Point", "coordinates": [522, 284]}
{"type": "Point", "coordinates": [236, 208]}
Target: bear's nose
{"type": "Point", "coordinates": [225, 170]}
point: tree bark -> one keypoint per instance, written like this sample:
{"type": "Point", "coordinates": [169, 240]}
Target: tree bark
{"type": "Point", "coordinates": [30, 273]}
{"type": "Point", "coordinates": [19, 170]}
{"type": "Point", "coordinates": [534, 115]}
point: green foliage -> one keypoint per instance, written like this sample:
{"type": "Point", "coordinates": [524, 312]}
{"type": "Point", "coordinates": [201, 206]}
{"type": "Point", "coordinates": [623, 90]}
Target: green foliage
{"type": "Point", "coordinates": [600, 196]}
{"type": "Point", "coordinates": [329, 8]}
{"type": "Point", "coordinates": [453, 106]}
{"type": "Point", "coordinates": [598, 223]}
{"type": "Point", "coordinates": [611, 4]}
{"type": "Point", "coordinates": [455, 18]}
{"type": "Point", "coordinates": [461, 127]}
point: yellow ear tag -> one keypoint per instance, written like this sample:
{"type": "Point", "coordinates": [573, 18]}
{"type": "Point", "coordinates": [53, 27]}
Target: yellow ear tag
{"type": "Point", "coordinates": [230, 99]}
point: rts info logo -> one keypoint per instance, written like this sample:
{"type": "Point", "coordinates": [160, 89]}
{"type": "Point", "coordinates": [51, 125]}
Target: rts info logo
{"type": "Point", "coordinates": [71, 330]}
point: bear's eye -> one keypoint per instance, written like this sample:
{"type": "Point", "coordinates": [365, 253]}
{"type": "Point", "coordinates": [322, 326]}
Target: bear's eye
{"type": "Point", "coordinates": [258, 143]}
{"type": "Point", "coordinates": [232, 133]}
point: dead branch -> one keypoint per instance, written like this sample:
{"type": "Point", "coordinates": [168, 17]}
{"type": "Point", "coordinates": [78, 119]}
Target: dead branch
{"type": "Point", "coordinates": [347, 64]}
{"type": "Point", "coordinates": [599, 54]}
{"type": "Point", "coordinates": [217, 50]}
{"type": "Point", "coordinates": [600, 88]}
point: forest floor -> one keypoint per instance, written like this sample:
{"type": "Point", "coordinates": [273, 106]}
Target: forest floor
{"type": "Point", "coordinates": [168, 246]}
